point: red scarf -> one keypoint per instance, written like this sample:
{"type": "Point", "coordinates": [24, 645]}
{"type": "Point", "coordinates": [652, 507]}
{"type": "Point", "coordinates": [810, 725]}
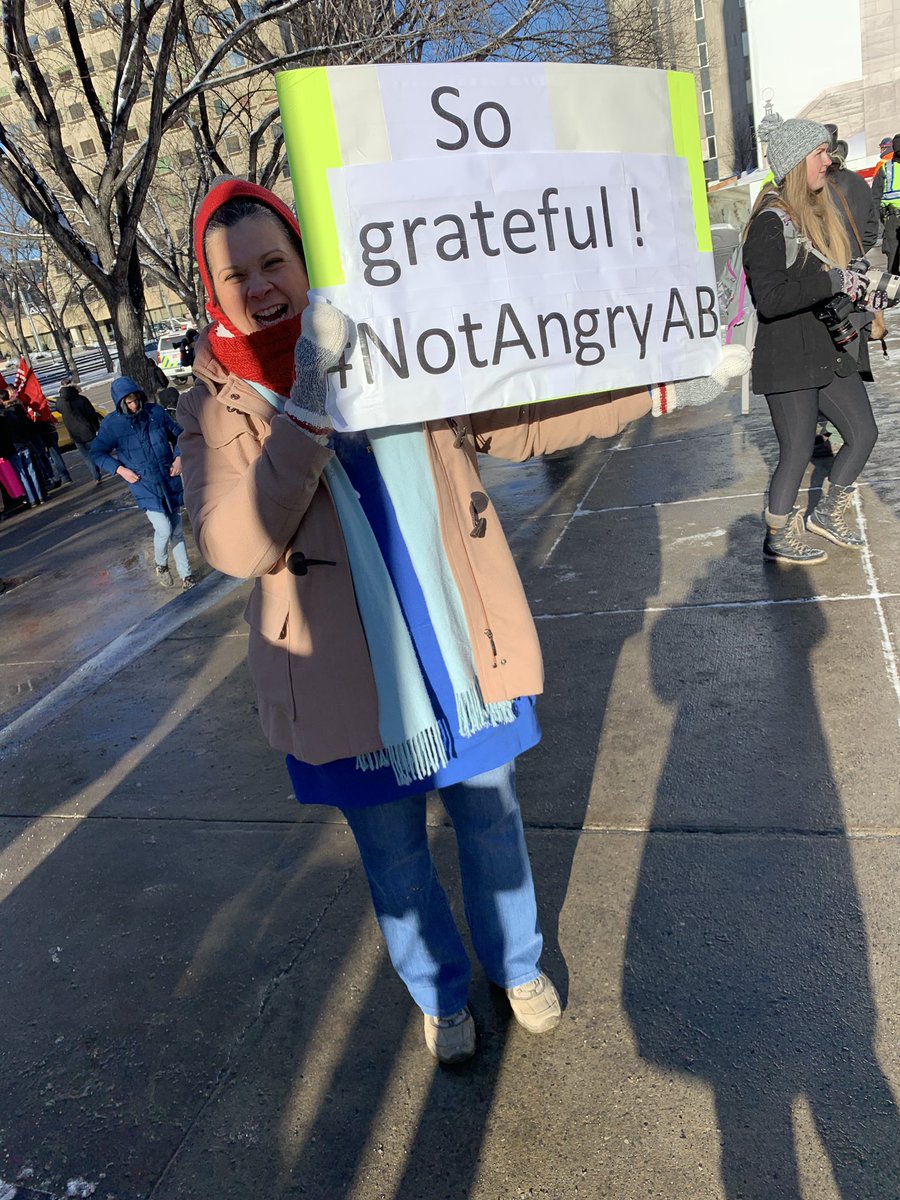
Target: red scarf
{"type": "Point", "coordinates": [266, 356]}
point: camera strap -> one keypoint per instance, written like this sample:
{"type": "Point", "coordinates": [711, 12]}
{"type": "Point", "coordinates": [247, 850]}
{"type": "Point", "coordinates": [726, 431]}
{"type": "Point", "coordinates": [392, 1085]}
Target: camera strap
{"type": "Point", "coordinates": [810, 249]}
{"type": "Point", "coordinates": [794, 240]}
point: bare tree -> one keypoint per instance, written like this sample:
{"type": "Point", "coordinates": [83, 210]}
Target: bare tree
{"type": "Point", "coordinates": [737, 149]}
{"type": "Point", "coordinates": [236, 128]}
{"type": "Point", "coordinates": [94, 214]}
{"type": "Point", "coordinates": [20, 254]}
{"type": "Point", "coordinates": [652, 33]}
{"type": "Point", "coordinates": [188, 74]}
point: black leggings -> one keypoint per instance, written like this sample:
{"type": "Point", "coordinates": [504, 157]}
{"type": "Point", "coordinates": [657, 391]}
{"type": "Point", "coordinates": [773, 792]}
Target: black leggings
{"type": "Point", "coordinates": [794, 414]}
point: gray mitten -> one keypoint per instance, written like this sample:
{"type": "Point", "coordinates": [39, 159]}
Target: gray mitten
{"type": "Point", "coordinates": [690, 393]}
{"type": "Point", "coordinates": [325, 333]}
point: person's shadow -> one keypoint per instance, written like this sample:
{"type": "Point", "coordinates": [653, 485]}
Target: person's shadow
{"type": "Point", "coordinates": [747, 955]}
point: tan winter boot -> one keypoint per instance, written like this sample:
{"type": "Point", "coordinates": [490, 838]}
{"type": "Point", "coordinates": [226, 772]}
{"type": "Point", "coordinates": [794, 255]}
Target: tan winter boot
{"type": "Point", "coordinates": [829, 519]}
{"type": "Point", "coordinates": [785, 542]}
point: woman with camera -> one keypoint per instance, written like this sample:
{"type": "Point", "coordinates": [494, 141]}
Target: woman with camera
{"type": "Point", "coordinates": [797, 260]}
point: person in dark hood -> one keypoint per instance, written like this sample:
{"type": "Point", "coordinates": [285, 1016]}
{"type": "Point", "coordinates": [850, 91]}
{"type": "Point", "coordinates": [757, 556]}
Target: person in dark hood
{"type": "Point", "coordinates": [860, 213]}
{"type": "Point", "coordinates": [139, 443]}
{"type": "Point", "coordinates": [158, 376]}
{"type": "Point", "coordinates": [82, 421]}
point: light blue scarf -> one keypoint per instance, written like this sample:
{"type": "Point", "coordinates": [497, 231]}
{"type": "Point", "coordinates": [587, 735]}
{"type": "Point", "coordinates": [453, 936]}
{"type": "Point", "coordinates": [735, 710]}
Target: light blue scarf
{"type": "Point", "coordinates": [415, 745]}
{"type": "Point", "coordinates": [402, 458]}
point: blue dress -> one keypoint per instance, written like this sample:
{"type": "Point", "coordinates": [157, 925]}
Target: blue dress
{"type": "Point", "coordinates": [341, 782]}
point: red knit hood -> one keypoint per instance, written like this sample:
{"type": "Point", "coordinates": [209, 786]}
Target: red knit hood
{"type": "Point", "coordinates": [232, 189]}
{"type": "Point", "coordinates": [266, 356]}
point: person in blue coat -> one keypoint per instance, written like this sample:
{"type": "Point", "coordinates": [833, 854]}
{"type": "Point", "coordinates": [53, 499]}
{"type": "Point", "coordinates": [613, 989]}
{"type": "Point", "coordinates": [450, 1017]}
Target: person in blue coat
{"type": "Point", "coordinates": [139, 442]}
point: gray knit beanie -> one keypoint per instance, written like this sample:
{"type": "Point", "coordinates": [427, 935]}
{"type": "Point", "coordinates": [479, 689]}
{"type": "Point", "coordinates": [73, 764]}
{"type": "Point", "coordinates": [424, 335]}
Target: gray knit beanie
{"type": "Point", "coordinates": [789, 142]}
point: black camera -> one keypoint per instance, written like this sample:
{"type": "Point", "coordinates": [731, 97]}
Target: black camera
{"type": "Point", "coordinates": [835, 315]}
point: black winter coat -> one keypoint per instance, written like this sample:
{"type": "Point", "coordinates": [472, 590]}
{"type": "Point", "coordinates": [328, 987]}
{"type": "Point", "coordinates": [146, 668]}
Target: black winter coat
{"type": "Point", "coordinates": [18, 429]}
{"type": "Point", "coordinates": [7, 441]}
{"type": "Point", "coordinates": [880, 178]}
{"type": "Point", "coordinates": [793, 349]}
{"type": "Point", "coordinates": [862, 207]}
{"type": "Point", "coordinates": [81, 418]}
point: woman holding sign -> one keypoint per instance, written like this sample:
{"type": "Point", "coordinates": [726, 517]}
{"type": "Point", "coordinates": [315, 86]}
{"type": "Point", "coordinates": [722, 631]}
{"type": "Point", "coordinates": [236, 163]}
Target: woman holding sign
{"type": "Point", "coordinates": [797, 259]}
{"type": "Point", "coordinates": [391, 642]}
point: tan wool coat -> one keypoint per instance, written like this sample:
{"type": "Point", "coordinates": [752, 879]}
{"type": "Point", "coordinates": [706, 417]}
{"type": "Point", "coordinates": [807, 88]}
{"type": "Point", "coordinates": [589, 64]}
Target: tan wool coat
{"type": "Point", "coordinates": [260, 508]}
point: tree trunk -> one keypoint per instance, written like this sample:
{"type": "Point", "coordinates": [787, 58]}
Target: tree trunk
{"type": "Point", "coordinates": [126, 307]}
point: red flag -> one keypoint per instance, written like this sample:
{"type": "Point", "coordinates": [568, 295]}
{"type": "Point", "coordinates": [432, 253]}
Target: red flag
{"type": "Point", "coordinates": [21, 374]}
{"type": "Point", "coordinates": [31, 394]}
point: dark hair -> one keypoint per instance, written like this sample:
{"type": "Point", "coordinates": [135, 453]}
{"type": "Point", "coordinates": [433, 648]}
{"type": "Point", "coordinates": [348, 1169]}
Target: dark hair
{"type": "Point", "coordinates": [241, 207]}
{"type": "Point", "coordinates": [895, 143]}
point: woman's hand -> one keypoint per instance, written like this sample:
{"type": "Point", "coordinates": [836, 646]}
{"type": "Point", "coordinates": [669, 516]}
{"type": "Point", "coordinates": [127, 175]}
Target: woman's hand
{"type": "Point", "coordinates": [175, 468]}
{"type": "Point", "coordinates": [325, 335]}
{"type": "Point", "coordinates": [849, 283]}
{"type": "Point", "coordinates": [878, 300]}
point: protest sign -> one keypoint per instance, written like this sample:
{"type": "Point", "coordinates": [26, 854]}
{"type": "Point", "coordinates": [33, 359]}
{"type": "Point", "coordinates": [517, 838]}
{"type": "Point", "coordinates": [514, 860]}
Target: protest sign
{"type": "Point", "coordinates": [502, 234]}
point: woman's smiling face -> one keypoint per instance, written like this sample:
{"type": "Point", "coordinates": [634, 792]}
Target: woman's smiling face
{"type": "Point", "coordinates": [258, 276]}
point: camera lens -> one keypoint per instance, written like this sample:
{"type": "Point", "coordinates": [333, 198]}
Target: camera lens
{"type": "Point", "coordinates": [835, 316]}
{"type": "Point", "coordinates": [883, 281]}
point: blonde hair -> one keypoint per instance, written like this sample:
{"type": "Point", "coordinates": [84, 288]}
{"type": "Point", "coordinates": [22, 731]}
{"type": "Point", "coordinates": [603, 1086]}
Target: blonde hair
{"type": "Point", "coordinates": [813, 214]}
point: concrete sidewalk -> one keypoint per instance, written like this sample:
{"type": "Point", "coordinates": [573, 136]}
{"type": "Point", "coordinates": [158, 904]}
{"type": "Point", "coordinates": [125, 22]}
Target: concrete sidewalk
{"type": "Point", "coordinates": [196, 1001]}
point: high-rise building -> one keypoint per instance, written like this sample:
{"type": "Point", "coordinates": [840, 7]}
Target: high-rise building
{"type": "Point", "coordinates": [709, 39]}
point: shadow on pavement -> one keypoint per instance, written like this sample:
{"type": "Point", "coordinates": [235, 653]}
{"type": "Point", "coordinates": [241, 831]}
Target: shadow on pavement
{"type": "Point", "coordinates": [196, 991]}
{"type": "Point", "coordinates": [747, 956]}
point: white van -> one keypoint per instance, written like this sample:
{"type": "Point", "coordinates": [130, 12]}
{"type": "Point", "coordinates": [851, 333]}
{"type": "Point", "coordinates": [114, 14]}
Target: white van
{"type": "Point", "coordinates": [168, 355]}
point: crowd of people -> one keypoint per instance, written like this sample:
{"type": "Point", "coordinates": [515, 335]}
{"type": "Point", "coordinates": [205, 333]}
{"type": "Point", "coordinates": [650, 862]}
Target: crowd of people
{"type": "Point", "coordinates": [31, 465]}
{"type": "Point", "coordinates": [137, 443]}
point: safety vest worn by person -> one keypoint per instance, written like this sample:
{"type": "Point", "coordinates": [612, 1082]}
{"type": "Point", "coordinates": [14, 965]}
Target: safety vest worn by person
{"type": "Point", "coordinates": [890, 197]}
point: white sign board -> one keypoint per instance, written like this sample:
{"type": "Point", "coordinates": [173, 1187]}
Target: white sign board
{"type": "Point", "coordinates": [502, 234]}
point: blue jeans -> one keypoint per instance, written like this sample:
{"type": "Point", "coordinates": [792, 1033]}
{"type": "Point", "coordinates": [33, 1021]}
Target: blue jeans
{"type": "Point", "coordinates": [167, 528]}
{"type": "Point", "coordinates": [84, 449]}
{"type": "Point", "coordinates": [411, 906]}
{"type": "Point", "coordinates": [23, 461]}
{"type": "Point", "coordinates": [57, 462]}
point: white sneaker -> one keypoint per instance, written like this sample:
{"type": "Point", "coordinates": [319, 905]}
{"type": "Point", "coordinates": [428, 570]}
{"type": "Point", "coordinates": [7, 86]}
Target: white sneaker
{"type": "Point", "coordinates": [536, 1005]}
{"type": "Point", "coordinates": [451, 1039]}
